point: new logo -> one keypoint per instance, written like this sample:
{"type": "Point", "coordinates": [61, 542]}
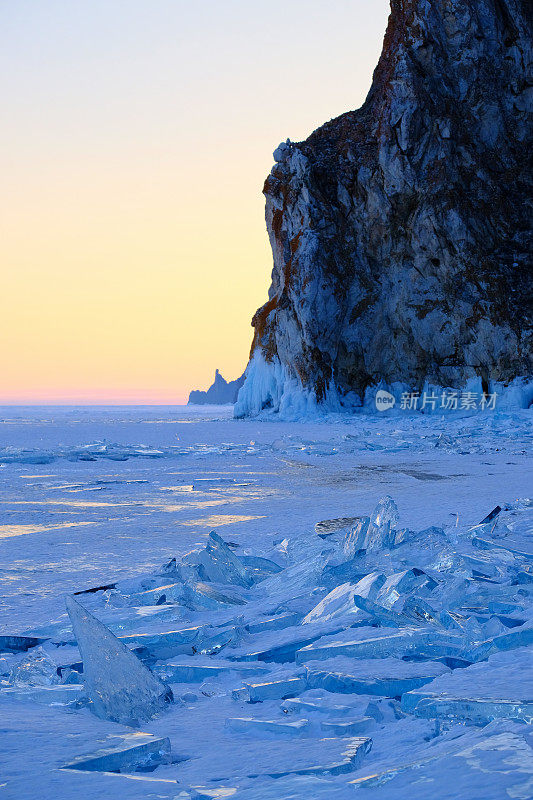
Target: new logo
{"type": "Point", "coordinates": [384, 400]}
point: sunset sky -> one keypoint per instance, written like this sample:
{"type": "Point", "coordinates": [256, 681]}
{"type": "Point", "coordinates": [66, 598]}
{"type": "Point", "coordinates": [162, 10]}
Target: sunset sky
{"type": "Point", "coordinates": [135, 140]}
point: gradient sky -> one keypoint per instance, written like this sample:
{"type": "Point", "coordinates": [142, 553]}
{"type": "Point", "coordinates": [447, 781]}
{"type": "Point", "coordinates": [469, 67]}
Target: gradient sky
{"type": "Point", "coordinates": [134, 143]}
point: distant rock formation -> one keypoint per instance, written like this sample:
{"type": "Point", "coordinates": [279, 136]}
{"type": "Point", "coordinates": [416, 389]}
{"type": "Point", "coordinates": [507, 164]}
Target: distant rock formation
{"type": "Point", "coordinates": [400, 232]}
{"type": "Point", "coordinates": [219, 393]}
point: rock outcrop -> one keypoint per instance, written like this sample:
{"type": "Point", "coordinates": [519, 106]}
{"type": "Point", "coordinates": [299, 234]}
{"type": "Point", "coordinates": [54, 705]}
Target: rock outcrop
{"type": "Point", "coordinates": [400, 231]}
{"type": "Point", "coordinates": [221, 392]}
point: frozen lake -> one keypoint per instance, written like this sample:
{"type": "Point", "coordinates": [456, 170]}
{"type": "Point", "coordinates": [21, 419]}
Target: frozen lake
{"type": "Point", "coordinates": [91, 496]}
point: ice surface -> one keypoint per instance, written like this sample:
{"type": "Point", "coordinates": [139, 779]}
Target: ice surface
{"type": "Point", "coordinates": [441, 597]}
{"type": "Point", "coordinates": [120, 687]}
{"type": "Point", "coordinates": [490, 764]}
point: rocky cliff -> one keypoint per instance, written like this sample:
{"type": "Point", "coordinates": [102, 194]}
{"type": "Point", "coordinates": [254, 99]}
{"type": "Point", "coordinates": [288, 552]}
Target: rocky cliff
{"type": "Point", "coordinates": [400, 231]}
{"type": "Point", "coordinates": [221, 392]}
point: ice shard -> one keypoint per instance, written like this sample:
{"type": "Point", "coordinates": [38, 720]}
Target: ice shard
{"type": "Point", "coordinates": [120, 687]}
{"type": "Point", "coordinates": [385, 513]}
{"type": "Point", "coordinates": [217, 563]}
{"type": "Point", "coordinates": [338, 603]}
{"type": "Point", "coordinates": [37, 669]}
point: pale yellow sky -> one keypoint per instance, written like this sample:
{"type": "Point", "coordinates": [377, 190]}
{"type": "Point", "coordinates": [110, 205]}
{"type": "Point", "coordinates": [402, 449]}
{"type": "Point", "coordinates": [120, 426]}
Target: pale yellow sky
{"type": "Point", "coordinates": [134, 144]}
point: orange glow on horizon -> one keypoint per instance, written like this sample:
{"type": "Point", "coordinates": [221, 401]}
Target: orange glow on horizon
{"type": "Point", "coordinates": [133, 153]}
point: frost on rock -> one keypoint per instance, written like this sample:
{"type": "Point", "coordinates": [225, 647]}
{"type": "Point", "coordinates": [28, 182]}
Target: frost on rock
{"type": "Point", "coordinates": [120, 687]}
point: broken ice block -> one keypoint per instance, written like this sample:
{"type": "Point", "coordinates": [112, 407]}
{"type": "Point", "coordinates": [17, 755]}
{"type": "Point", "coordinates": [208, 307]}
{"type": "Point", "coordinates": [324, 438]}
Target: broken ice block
{"type": "Point", "coordinates": [166, 644]}
{"type": "Point", "coordinates": [354, 727]}
{"type": "Point", "coordinates": [18, 644]}
{"type": "Point", "coordinates": [170, 593]}
{"type": "Point", "coordinates": [499, 687]}
{"type": "Point", "coordinates": [518, 637]}
{"type": "Point", "coordinates": [204, 595]}
{"type": "Point", "coordinates": [382, 643]}
{"type": "Point", "coordinates": [294, 579]}
{"type": "Point", "coordinates": [330, 527]}
{"type": "Point", "coordinates": [338, 603]}
{"type": "Point", "coordinates": [196, 673]}
{"type": "Point", "coordinates": [349, 759]}
{"type": "Point", "coordinates": [386, 677]}
{"type": "Point", "coordinates": [37, 669]}
{"type": "Point", "coordinates": [282, 652]}
{"type": "Point", "coordinates": [378, 614]}
{"type": "Point", "coordinates": [370, 585]}
{"type": "Point", "coordinates": [487, 764]}
{"type": "Point", "coordinates": [385, 513]}
{"type": "Point", "coordinates": [273, 727]}
{"type": "Point", "coordinates": [273, 623]}
{"type": "Point", "coordinates": [219, 564]}
{"type": "Point", "coordinates": [318, 701]}
{"type": "Point", "coordinates": [476, 710]}
{"type": "Point", "coordinates": [120, 686]}
{"type": "Point", "coordinates": [275, 690]}
{"type": "Point", "coordinates": [400, 583]}
{"type": "Point", "coordinates": [420, 611]}
{"type": "Point", "coordinates": [259, 567]}
{"type": "Point", "coordinates": [47, 695]}
{"type": "Point", "coordinates": [139, 751]}
{"type": "Point", "coordinates": [375, 532]}
{"type": "Point", "coordinates": [355, 539]}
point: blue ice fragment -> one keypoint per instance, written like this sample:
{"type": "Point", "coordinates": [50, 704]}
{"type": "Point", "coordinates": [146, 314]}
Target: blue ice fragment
{"type": "Point", "coordinates": [353, 727]}
{"type": "Point", "coordinates": [400, 583]}
{"type": "Point", "coordinates": [383, 642]}
{"type": "Point", "coordinates": [219, 564]}
{"type": "Point", "coordinates": [338, 603]}
{"type": "Point", "coordinates": [250, 726]}
{"type": "Point", "coordinates": [18, 644]}
{"type": "Point", "coordinates": [120, 687]}
{"type": "Point", "coordinates": [517, 637]}
{"type": "Point", "coordinates": [36, 669]}
{"type": "Point", "coordinates": [386, 677]}
{"type": "Point", "coordinates": [259, 567]}
{"type": "Point", "coordinates": [499, 687]}
{"type": "Point", "coordinates": [355, 539]}
{"type": "Point", "coordinates": [275, 690]}
{"type": "Point", "coordinates": [273, 623]}
{"type": "Point", "coordinates": [166, 644]}
{"type": "Point", "coordinates": [385, 513]}
{"type": "Point", "coordinates": [204, 595]}
{"type": "Point", "coordinates": [46, 695]}
{"type": "Point", "coordinates": [189, 672]}
{"type": "Point", "coordinates": [139, 752]}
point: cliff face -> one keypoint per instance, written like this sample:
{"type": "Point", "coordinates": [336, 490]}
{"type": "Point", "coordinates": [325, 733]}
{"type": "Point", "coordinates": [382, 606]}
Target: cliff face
{"type": "Point", "coordinates": [221, 392]}
{"type": "Point", "coordinates": [400, 231]}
